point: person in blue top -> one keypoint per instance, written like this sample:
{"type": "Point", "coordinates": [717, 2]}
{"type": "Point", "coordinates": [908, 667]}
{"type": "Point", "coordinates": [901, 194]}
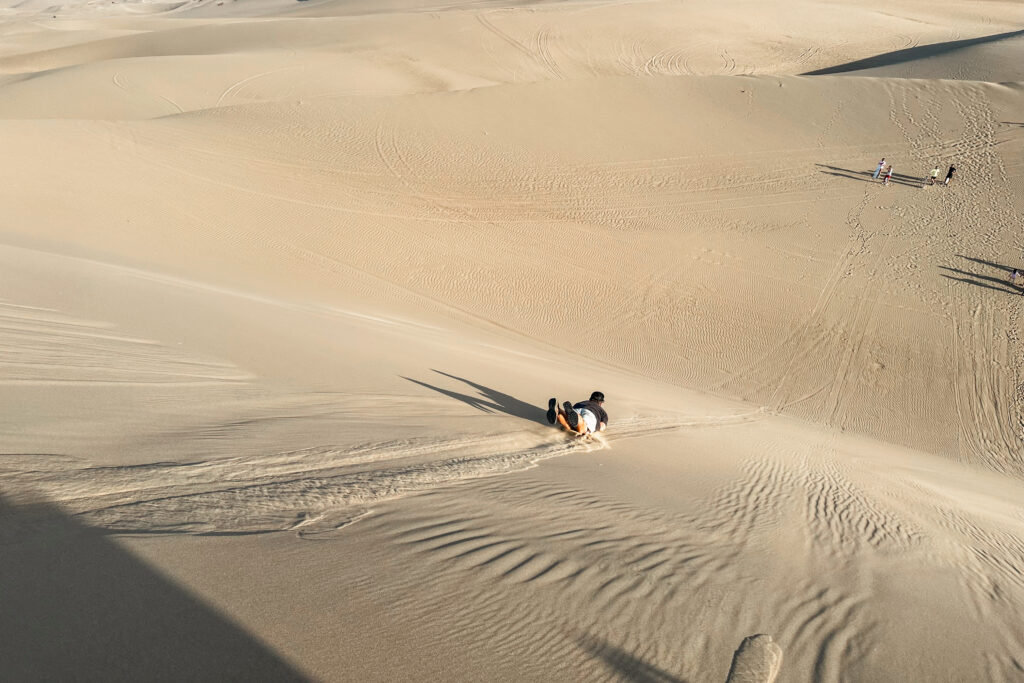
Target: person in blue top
{"type": "Point", "coordinates": [585, 417]}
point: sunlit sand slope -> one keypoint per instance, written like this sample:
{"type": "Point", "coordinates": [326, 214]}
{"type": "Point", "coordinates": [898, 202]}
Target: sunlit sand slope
{"type": "Point", "coordinates": [724, 235]}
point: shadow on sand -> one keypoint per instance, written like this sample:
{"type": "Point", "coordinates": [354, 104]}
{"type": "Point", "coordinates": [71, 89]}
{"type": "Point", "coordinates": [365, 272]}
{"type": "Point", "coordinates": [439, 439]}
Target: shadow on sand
{"type": "Point", "coordinates": [998, 283]}
{"type": "Point", "coordinates": [75, 605]}
{"type": "Point", "coordinates": [487, 399]}
{"type": "Point", "coordinates": [897, 178]}
{"type": "Point", "coordinates": [911, 53]}
{"type": "Point", "coordinates": [627, 666]}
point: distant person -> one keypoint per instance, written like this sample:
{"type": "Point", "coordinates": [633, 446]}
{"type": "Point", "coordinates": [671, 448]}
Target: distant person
{"type": "Point", "coordinates": [949, 174]}
{"type": "Point", "coordinates": [585, 417]}
{"type": "Point", "coordinates": [1015, 276]}
{"type": "Point", "coordinates": [934, 178]}
{"type": "Point", "coordinates": [881, 165]}
{"type": "Point", "coordinates": [888, 175]}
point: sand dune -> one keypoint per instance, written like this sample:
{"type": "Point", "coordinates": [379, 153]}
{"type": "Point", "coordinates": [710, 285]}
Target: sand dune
{"type": "Point", "coordinates": [285, 288]}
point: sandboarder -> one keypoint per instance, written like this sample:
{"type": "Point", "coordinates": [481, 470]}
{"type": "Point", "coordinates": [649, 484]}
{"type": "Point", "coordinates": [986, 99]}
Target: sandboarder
{"type": "Point", "coordinates": [949, 174]}
{"type": "Point", "coordinates": [1015, 276]}
{"type": "Point", "coordinates": [585, 417]}
{"type": "Point", "coordinates": [881, 165]}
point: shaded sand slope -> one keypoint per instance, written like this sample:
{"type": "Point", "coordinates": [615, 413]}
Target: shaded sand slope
{"type": "Point", "coordinates": [96, 607]}
{"type": "Point", "coordinates": [995, 58]}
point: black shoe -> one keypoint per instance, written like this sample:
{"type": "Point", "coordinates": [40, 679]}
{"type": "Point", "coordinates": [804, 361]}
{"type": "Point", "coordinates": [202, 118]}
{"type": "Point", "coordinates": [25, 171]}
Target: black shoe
{"type": "Point", "coordinates": [552, 402]}
{"type": "Point", "coordinates": [571, 416]}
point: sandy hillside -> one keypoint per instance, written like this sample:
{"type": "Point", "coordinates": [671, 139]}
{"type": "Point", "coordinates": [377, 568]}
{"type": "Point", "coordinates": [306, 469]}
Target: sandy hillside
{"type": "Point", "coordinates": [285, 288]}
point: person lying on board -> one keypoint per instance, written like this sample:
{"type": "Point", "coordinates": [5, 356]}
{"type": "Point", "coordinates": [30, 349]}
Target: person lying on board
{"type": "Point", "coordinates": [585, 417]}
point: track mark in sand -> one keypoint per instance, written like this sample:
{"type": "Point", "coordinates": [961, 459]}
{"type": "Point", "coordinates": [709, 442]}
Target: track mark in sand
{"type": "Point", "coordinates": [420, 193]}
{"type": "Point", "coordinates": [826, 132]}
{"type": "Point", "coordinates": [489, 25]}
{"type": "Point", "coordinates": [238, 85]}
{"type": "Point", "coordinates": [121, 82]}
{"type": "Point", "coordinates": [311, 491]}
{"type": "Point", "coordinates": [807, 55]}
{"type": "Point", "coordinates": [540, 55]}
{"type": "Point", "coordinates": [987, 359]}
{"type": "Point", "coordinates": [687, 59]}
{"type": "Point", "coordinates": [543, 42]}
{"type": "Point", "coordinates": [979, 392]}
{"type": "Point", "coordinates": [807, 338]}
{"type": "Point", "coordinates": [669, 61]}
{"type": "Point", "coordinates": [862, 327]}
{"type": "Point", "coordinates": [906, 41]}
{"type": "Point", "coordinates": [47, 347]}
{"type": "Point", "coordinates": [171, 102]}
{"type": "Point", "coordinates": [728, 63]}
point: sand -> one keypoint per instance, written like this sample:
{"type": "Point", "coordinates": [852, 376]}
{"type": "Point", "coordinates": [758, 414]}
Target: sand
{"type": "Point", "coordinates": [285, 288]}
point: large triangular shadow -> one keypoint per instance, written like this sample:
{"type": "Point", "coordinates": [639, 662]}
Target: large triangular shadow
{"type": "Point", "coordinates": [911, 53]}
{"type": "Point", "coordinates": [74, 605]}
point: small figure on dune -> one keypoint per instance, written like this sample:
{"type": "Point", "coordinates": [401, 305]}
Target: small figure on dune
{"type": "Point", "coordinates": [888, 175]}
{"type": "Point", "coordinates": [881, 165]}
{"type": "Point", "coordinates": [934, 177]}
{"type": "Point", "coordinates": [583, 418]}
{"type": "Point", "coordinates": [949, 174]}
{"type": "Point", "coordinates": [1015, 276]}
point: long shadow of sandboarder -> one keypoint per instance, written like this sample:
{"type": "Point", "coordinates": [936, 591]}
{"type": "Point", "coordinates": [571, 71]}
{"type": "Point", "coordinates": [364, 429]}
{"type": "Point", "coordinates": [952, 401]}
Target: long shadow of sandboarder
{"type": "Point", "coordinates": [997, 283]}
{"type": "Point", "coordinates": [488, 400]}
{"type": "Point", "coordinates": [990, 264]}
{"type": "Point", "coordinates": [867, 177]}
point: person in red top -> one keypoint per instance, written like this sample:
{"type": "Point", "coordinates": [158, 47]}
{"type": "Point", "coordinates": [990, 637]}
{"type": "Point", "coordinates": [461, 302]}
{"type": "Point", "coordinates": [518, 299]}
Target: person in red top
{"type": "Point", "coordinates": [585, 417]}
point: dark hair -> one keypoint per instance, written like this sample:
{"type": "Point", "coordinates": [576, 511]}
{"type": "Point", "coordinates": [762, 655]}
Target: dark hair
{"type": "Point", "coordinates": [597, 396]}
